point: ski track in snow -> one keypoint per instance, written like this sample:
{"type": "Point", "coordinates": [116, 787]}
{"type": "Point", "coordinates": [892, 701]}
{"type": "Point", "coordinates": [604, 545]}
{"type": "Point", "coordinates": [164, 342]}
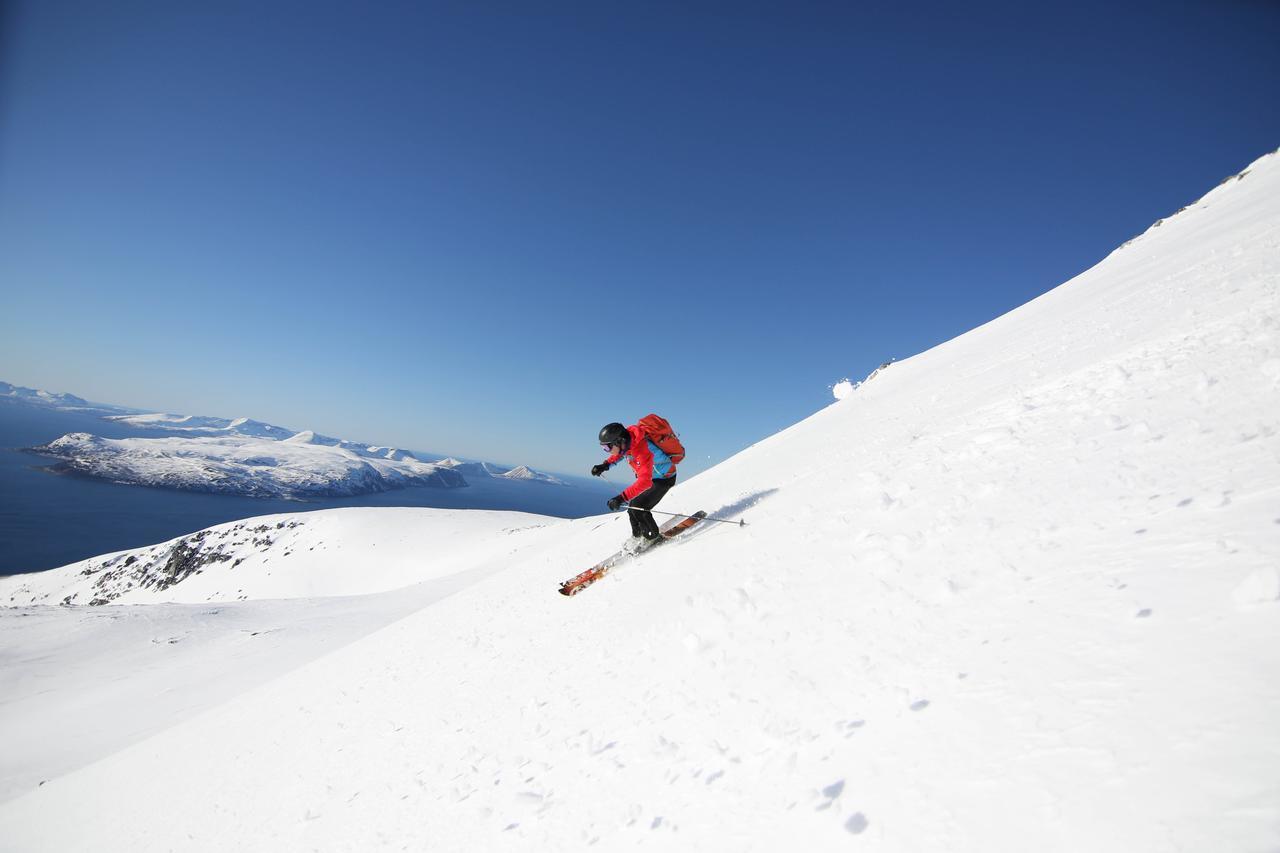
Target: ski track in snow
{"type": "Point", "coordinates": [1019, 592]}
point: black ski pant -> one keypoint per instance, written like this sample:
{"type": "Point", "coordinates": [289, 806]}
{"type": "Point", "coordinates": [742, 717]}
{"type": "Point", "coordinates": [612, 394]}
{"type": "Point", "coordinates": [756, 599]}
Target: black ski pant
{"type": "Point", "coordinates": [642, 523]}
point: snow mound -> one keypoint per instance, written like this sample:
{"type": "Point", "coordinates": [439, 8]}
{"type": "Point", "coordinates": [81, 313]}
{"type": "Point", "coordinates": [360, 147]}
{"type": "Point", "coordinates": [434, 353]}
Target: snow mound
{"type": "Point", "coordinates": [844, 389]}
{"type": "Point", "coordinates": [292, 555]}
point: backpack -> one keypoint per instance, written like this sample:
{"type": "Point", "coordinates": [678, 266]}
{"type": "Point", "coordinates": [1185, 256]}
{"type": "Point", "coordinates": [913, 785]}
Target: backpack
{"type": "Point", "coordinates": [657, 430]}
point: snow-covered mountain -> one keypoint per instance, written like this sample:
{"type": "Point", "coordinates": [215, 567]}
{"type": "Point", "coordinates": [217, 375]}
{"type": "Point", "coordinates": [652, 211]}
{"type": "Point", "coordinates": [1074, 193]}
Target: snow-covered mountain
{"type": "Point", "coordinates": [311, 437]}
{"type": "Point", "coordinates": [472, 469]}
{"type": "Point", "coordinates": [488, 469]}
{"type": "Point", "coordinates": [1035, 605]}
{"type": "Point", "coordinates": [247, 457]}
{"type": "Point", "coordinates": [51, 400]}
{"type": "Point", "coordinates": [201, 425]}
{"type": "Point", "coordinates": [244, 465]}
{"type": "Point", "coordinates": [41, 398]}
{"type": "Point", "coordinates": [524, 472]}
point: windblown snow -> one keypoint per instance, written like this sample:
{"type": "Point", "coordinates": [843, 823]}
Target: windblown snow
{"type": "Point", "coordinates": [1021, 592]}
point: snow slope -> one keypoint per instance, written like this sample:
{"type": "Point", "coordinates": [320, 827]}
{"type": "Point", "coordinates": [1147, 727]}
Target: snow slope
{"type": "Point", "coordinates": [80, 683]}
{"type": "Point", "coordinates": [333, 552]}
{"type": "Point", "coordinates": [1020, 592]}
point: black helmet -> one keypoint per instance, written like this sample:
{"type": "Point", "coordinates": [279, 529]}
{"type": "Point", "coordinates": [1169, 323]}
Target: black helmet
{"type": "Point", "coordinates": [615, 433]}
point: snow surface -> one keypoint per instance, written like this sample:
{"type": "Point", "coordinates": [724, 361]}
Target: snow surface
{"type": "Point", "coordinates": [133, 671]}
{"type": "Point", "coordinates": [846, 387]}
{"type": "Point", "coordinates": [335, 552]}
{"type": "Point", "coordinates": [1018, 593]}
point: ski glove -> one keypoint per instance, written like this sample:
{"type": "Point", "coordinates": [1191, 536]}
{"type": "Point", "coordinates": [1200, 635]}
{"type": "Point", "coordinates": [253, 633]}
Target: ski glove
{"type": "Point", "coordinates": [597, 470]}
{"type": "Point", "coordinates": [616, 502]}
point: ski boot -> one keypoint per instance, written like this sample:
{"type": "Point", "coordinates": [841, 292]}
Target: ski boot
{"type": "Point", "coordinates": [637, 545]}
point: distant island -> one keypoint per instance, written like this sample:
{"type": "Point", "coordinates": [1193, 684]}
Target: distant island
{"type": "Point", "coordinates": [242, 456]}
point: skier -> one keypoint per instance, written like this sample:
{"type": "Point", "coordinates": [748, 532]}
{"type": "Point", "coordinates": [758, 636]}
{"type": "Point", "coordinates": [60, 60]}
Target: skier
{"type": "Point", "coordinates": [655, 475]}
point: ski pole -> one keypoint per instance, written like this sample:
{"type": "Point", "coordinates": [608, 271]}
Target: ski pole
{"type": "Point", "coordinates": [740, 522]}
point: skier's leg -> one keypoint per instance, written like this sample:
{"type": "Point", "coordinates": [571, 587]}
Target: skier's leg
{"type": "Point", "coordinates": [634, 516]}
{"type": "Point", "coordinates": [646, 500]}
{"type": "Point", "coordinates": [648, 527]}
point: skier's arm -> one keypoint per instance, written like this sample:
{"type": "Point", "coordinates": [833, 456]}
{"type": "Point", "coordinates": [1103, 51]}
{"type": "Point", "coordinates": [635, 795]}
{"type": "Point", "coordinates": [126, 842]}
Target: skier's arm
{"type": "Point", "coordinates": [644, 471]}
{"type": "Point", "coordinates": [613, 459]}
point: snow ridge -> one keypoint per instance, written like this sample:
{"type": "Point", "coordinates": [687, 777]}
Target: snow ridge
{"type": "Point", "coordinates": [200, 425]}
{"type": "Point", "coordinates": [278, 556]}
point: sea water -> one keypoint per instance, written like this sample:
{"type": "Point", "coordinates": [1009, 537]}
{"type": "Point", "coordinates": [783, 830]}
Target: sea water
{"type": "Point", "coordinates": [49, 519]}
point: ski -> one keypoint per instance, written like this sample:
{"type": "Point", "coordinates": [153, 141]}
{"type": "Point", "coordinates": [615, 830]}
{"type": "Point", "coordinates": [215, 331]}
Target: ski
{"type": "Point", "coordinates": [670, 530]}
{"type": "Point", "coordinates": [577, 584]}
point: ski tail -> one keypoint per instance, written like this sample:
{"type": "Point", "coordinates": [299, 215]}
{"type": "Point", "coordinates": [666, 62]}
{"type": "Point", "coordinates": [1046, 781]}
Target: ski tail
{"type": "Point", "coordinates": [677, 526]}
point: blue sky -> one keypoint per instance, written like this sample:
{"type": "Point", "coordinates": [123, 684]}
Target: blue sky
{"type": "Point", "coordinates": [485, 229]}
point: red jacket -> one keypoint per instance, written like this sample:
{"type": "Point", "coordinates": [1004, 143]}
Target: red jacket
{"type": "Point", "coordinates": [644, 462]}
